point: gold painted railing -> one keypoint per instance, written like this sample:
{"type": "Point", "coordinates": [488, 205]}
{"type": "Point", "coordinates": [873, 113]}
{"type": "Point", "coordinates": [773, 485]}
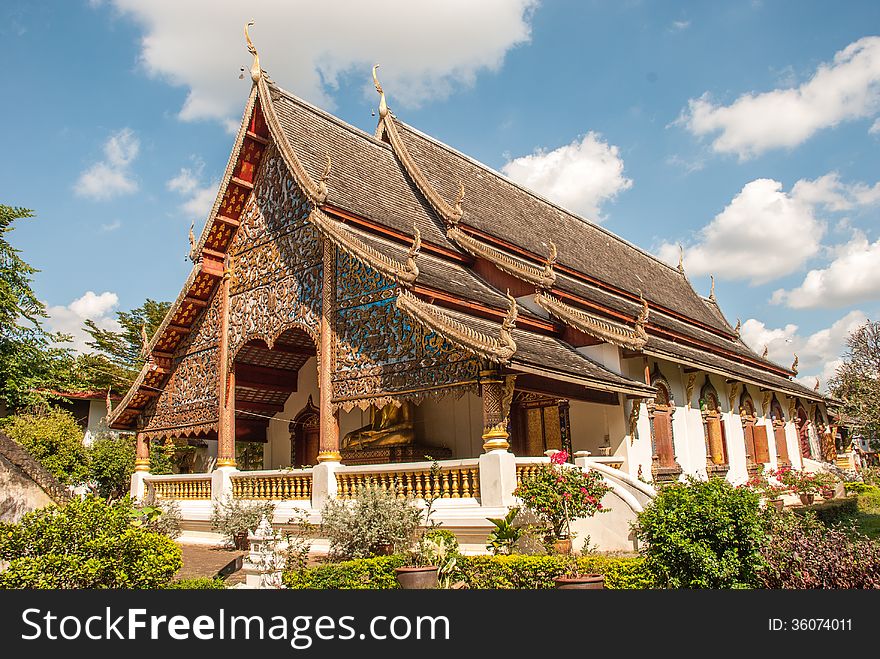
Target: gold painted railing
{"type": "Point", "coordinates": [452, 482]}
{"type": "Point", "coordinates": [527, 470]}
{"type": "Point", "coordinates": [181, 488]}
{"type": "Point", "coordinates": [278, 486]}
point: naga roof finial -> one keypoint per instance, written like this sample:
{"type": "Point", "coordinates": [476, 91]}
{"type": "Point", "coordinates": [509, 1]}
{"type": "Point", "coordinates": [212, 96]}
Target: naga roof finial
{"type": "Point", "coordinates": [512, 313]}
{"type": "Point", "coordinates": [256, 71]}
{"type": "Point", "coordinates": [414, 251]}
{"type": "Point", "coordinates": [816, 386]}
{"type": "Point", "coordinates": [794, 364]}
{"type": "Point", "coordinates": [459, 199]}
{"type": "Point", "coordinates": [738, 327]}
{"type": "Point", "coordinates": [192, 242]}
{"type": "Point", "coordinates": [551, 260]}
{"type": "Point", "coordinates": [712, 289]}
{"type": "Point", "coordinates": [642, 318]}
{"type": "Point", "coordinates": [322, 182]}
{"type": "Point", "coordinates": [766, 351]}
{"type": "Point", "coordinates": [383, 106]}
{"type": "Point", "coordinates": [145, 341]}
{"type": "Point", "coordinates": [680, 258]}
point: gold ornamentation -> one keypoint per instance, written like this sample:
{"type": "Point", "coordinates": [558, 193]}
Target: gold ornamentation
{"type": "Point", "coordinates": [392, 425]}
{"type": "Point", "coordinates": [642, 321]}
{"type": "Point", "coordinates": [731, 396]}
{"type": "Point", "coordinates": [256, 71]}
{"type": "Point", "coordinates": [507, 397]}
{"type": "Point", "coordinates": [295, 486]}
{"type": "Point", "coordinates": [712, 288]}
{"type": "Point", "coordinates": [413, 252]}
{"type": "Point", "coordinates": [322, 182]}
{"type": "Point", "coordinates": [543, 277]}
{"type": "Point", "coordinates": [383, 106]}
{"type": "Point", "coordinates": [680, 258]}
{"type": "Point", "coordinates": [145, 342]}
{"type": "Point", "coordinates": [459, 199]}
{"type": "Point", "coordinates": [794, 364]}
{"type": "Point", "coordinates": [192, 242]}
{"type": "Point", "coordinates": [457, 332]}
{"type": "Point", "coordinates": [329, 456]}
{"type": "Point", "coordinates": [404, 274]}
{"type": "Point", "coordinates": [689, 388]}
{"type": "Point", "coordinates": [606, 330]}
{"type": "Point", "coordinates": [738, 327]}
{"type": "Point", "coordinates": [765, 402]}
{"type": "Point", "coordinates": [634, 419]}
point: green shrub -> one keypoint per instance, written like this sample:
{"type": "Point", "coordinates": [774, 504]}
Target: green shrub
{"type": "Point", "coordinates": [197, 583]}
{"type": "Point", "coordinates": [111, 464]}
{"type": "Point", "coordinates": [86, 543]}
{"type": "Point", "coordinates": [233, 517]}
{"type": "Point", "coordinates": [859, 488]}
{"type": "Point", "coordinates": [832, 511]}
{"type": "Point", "coordinates": [702, 534]}
{"type": "Point", "coordinates": [802, 552]}
{"type": "Point", "coordinates": [537, 572]}
{"type": "Point", "coordinates": [54, 438]}
{"type": "Point", "coordinates": [375, 573]}
{"type": "Point", "coordinates": [359, 528]}
{"type": "Point", "coordinates": [483, 572]}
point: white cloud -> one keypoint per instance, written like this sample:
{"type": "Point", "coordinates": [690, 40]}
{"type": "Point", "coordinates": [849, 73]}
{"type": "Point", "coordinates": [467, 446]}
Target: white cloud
{"type": "Point", "coordinates": [829, 191]}
{"type": "Point", "coordinates": [112, 176]}
{"type": "Point", "coordinates": [93, 306]}
{"type": "Point", "coordinates": [198, 198]}
{"type": "Point", "coordinates": [678, 26]}
{"type": "Point", "coordinates": [875, 127]}
{"type": "Point", "coordinates": [426, 49]}
{"type": "Point", "coordinates": [111, 226]}
{"type": "Point", "coordinates": [579, 176]}
{"type": "Point", "coordinates": [762, 214]}
{"type": "Point", "coordinates": [846, 89]}
{"type": "Point", "coordinates": [853, 276]}
{"type": "Point", "coordinates": [818, 353]}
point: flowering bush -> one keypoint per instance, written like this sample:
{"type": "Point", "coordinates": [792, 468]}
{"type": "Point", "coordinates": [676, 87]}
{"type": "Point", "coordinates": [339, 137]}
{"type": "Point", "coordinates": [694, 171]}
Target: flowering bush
{"type": "Point", "coordinates": [761, 484]}
{"type": "Point", "coordinates": [557, 493]}
{"type": "Point", "coordinates": [802, 482]}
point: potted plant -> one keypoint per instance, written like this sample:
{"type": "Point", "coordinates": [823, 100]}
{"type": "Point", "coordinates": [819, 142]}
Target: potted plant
{"type": "Point", "coordinates": [234, 518]}
{"type": "Point", "coordinates": [802, 483]}
{"type": "Point", "coordinates": [423, 569]}
{"type": "Point", "coordinates": [573, 579]}
{"type": "Point", "coordinates": [771, 492]}
{"type": "Point", "coordinates": [505, 535]}
{"type": "Point", "coordinates": [557, 493]}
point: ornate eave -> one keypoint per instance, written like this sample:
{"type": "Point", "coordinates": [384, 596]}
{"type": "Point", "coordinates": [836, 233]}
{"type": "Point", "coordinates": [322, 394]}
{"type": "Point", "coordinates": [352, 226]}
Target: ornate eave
{"type": "Point", "coordinates": [499, 349]}
{"type": "Point", "coordinates": [542, 277]}
{"type": "Point", "coordinates": [617, 334]}
{"type": "Point", "coordinates": [449, 214]}
{"type": "Point", "coordinates": [403, 273]}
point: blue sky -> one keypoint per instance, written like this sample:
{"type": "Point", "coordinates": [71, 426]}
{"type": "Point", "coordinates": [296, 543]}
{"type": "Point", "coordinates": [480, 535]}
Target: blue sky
{"type": "Point", "coordinates": [748, 132]}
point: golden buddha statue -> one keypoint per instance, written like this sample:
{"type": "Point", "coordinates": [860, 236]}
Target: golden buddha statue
{"type": "Point", "coordinates": [389, 426]}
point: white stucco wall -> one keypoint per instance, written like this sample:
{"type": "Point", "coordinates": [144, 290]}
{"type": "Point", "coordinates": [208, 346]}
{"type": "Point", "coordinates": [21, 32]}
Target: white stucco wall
{"type": "Point", "coordinates": [97, 421]}
{"type": "Point", "coordinates": [593, 425]}
{"type": "Point", "coordinates": [453, 422]}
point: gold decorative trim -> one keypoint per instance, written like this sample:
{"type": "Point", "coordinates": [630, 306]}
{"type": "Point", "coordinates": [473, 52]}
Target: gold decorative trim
{"type": "Point", "coordinates": [794, 364]}
{"type": "Point", "coordinates": [542, 277]}
{"type": "Point", "coordinates": [256, 71]}
{"type": "Point", "coordinates": [142, 464]}
{"type": "Point", "coordinates": [450, 214]}
{"type": "Point", "coordinates": [619, 335]}
{"type": "Point", "coordinates": [226, 462]}
{"type": "Point", "coordinates": [329, 456]}
{"type": "Point", "coordinates": [403, 273]}
{"type": "Point", "coordinates": [498, 350]}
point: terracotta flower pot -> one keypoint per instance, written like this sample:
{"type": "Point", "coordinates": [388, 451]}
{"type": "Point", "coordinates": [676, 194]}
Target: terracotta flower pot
{"type": "Point", "coordinates": [417, 578]}
{"type": "Point", "coordinates": [807, 499]}
{"type": "Point", "coordinates": [779, 504]}
{"type": "Point", "coordinates": [562, 546]}
{"type": "Point", "coordinates": [581, 582]}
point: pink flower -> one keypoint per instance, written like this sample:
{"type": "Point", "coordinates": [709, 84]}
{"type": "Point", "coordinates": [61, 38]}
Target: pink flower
{"type": "Point", "coordinates": [584, 490]}
{"type": "Point", "coordinates": [567, 495]}
{"type": "Point", "coordinates": [559, 457]}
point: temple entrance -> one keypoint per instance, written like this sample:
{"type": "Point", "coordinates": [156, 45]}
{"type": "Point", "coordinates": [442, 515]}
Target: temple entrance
{"type": "Point", "coordinates": [538, 424]}
{"type": "Point", "coordinates": [264, 380]}
{"type": "Point", "coordinates": [305, 436]}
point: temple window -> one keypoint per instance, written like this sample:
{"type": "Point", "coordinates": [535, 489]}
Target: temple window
{"type": "Point", "coordinates": [660, 411]}
{"type": "Point", "coordinates": [778, 418]}
{"type": "Point", "coordinates": [755, 435]}
{"type": "Point", "coordinates": [714, 430]}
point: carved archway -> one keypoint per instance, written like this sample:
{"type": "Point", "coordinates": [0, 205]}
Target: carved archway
{"type": "Point", "coordinates": [713, 429]}
{"type": "Point", "coordinates": [661, 408]}
{"type": "Point", "coordinates": [305, 434]}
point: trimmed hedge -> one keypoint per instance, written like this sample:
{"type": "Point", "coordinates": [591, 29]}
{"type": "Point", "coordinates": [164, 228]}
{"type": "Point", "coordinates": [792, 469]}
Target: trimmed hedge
{"type": "Point", "coordinates": [478, 572]}
{"type": "Point", "coordinates": [197, 583]}
{"type": "Point", "coordinates": [832, 511]}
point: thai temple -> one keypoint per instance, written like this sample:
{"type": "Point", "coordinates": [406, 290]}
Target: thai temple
{"type": "Point", "coordinates": [362, 305]}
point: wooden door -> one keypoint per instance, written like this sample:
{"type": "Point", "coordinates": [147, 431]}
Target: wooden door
{"type": "Point", "coordinates": [762, 450]}
{"type": "Point", "coordinates": [663, 446]}
{"type": "Point", "coordinates": [781, 446]}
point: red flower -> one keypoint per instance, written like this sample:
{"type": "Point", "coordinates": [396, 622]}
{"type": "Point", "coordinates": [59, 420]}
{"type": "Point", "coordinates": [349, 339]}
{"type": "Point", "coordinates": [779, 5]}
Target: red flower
{"type": "Point", "coordinates": [559, 457]}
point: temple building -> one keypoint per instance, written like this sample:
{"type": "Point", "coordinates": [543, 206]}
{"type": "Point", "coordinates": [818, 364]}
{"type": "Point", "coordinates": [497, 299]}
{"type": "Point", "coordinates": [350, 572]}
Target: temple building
{"type": "Point", "coordinates": [360, 301]}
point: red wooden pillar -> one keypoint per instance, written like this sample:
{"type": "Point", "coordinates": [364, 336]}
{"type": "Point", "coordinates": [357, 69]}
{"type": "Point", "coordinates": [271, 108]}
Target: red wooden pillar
{"type": "Point", "coordinates": [226, 383]}
{"type": "Point", "coordinates": [142, 454]}
{"type": "Point", "coordinates": [329, 419]}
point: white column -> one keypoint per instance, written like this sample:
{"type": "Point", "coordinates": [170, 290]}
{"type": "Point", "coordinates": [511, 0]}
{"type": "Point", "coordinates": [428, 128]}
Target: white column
{"type": "Point", "coordinates": [497, 478]}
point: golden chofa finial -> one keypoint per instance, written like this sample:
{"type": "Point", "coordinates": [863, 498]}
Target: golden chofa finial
{"type": "Point", "coordinates": [256, 71]}
{"type": "Point", "coordinates": [383, 106]}
{"type": "Point", "coordinates": [681, 259]}
{"type": "Point", "coordinates": [766, 351]}
{"type": "Point", "coordinates": [458, 199]}
{"type": "Point", "coordinates": [712, 288]}
{"type": "Point", "coordinates": [794, 364]}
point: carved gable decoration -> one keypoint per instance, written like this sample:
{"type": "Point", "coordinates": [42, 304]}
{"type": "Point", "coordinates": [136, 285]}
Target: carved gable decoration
{"type": "Point", "coordinates": [275, 262]}
{"type": "Point", "coordinates": [382, 355]}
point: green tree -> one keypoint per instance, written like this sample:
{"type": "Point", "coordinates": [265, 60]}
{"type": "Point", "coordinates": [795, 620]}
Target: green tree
{"type": "Point", "coordinates": [857, 380]}
{"type": "Point", "coordinates": [55, 439]}
{"type": "Point", "coordinates": [32, 361]}
{"type": "Point", "coordinates": [111, 463]}
{"type": "Point", "coordinates": [116, 356]}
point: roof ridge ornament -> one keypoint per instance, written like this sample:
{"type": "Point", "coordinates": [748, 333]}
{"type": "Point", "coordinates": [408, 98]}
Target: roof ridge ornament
{"type": "Point", "coordinates": [145, 341]}
{"type": "Point", "coordinates": [736, 330]}
{"type": "Point", "coordinates": [605, 330]}
{"type": "Point", "coordinates": [192, 242]}
{"type": "Point", "coordinates": [642, 320]}
{"type": "Point", "coordinates": [457, 206]}
{"type": "Point", "coordinates": [794, 364]}
{"type": "Point", "coordinates": [542, 277]}
{"type": "Point", "coordinates": [256, 71]}
{"type": "Point", "coordinates": [458, 332]}
{"type": "Point", "coordinates": [383, 105]}
{"type": "Point", "coordinates": [766, 351]}
{"type": "Point", "coordinates": [712, 288]}
{"type": "Point", "coordinates": [815, 386]}
{"type": "Point", "coordinates": [680, 258]}
{"type": "Point", "coordinates": [322, 182]}
{"type": "Point", "coordinates": [549, 273]}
